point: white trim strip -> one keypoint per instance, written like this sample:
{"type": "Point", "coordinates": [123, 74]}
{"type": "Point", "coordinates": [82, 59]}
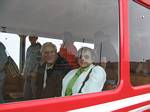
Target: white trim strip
{"type": "Point", "coordinates": [115, 105]}
{"type": "Point", "coordinates": [141, 109]}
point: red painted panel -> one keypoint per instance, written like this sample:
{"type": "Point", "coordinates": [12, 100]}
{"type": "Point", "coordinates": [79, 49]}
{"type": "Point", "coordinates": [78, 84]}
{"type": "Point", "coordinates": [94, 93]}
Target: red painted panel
{"type": "Point", "coordinates": [145, 3]}
{"type": "Point", "coordinates": [69, 103]}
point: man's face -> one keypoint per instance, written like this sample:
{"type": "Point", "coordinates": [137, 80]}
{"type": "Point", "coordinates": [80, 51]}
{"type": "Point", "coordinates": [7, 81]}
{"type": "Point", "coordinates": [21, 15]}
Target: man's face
{"type": "Point", "coordinates": [33, 39]}
{"type": "Point", "coordinates": [49, 55]}
{"type": "Point", "coordinates": [85, 59]}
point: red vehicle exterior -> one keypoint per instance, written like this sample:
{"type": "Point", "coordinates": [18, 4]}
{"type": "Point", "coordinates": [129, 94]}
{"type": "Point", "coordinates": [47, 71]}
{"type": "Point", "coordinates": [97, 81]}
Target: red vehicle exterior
{"type": "Point", "coordinates": [145, 3]}
{"type": "Point", "coordinates": [105, 101]}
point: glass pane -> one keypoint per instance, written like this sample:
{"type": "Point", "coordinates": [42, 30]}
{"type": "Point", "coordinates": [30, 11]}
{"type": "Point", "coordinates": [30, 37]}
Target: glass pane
{"type": "Point", "coordinates": [11, 83]}
{"type": "Point", "coordinates": [78, 51]}
{"type": "Point", "coordinates": [42, 40]}
{"type": "Point", "coordinates": [139, 44]}
{"type": "Point", "coordinates": [12, 49]}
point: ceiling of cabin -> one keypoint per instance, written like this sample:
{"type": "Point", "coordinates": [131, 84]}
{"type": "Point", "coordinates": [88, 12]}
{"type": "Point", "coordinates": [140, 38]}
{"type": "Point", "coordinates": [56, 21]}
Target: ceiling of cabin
{"type": "Point", "coordinates": [81, 17]}
{"type": "Point", "coordinates": [49, 17]}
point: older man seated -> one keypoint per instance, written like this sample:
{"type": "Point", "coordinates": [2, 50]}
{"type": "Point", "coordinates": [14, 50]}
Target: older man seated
{"type": "Point", "coordinates": [52, 70]}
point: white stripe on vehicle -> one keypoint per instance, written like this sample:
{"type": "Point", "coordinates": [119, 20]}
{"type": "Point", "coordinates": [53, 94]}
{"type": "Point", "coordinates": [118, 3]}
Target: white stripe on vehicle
{"type": "Point", "coordinates": [115, 105]}
{"type": "Point", "coordinates": [141, 109]}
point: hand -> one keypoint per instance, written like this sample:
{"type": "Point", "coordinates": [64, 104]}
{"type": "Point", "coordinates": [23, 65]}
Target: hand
{"type": "Point", "coordinates": [23, 75]}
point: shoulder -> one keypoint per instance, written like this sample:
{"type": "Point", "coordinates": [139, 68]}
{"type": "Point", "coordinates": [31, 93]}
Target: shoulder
{"type": "Point", "coordinates": [98, 71]}
{"type": "Point", "coordinates": [98, 68]}
{"type": "Point", "coordinates": [61, 60]}
{"type": "Point", "coordinates": [38, 44]}
{"type": "Point", "coordinates": [30, 47]}
{"type": "Point", "coordinates": [2, 46]}
{"type": "Point", "coordinates": [70, 73]}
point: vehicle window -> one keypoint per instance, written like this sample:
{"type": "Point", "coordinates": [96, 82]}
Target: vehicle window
{"type": "Point", "coordinates": [71, 47]}
{"type": "Point", "coordinates": [12, 49]}
{"type": "Point", "coordinates": [139, 44]}
{"type": "Point", "coordinates": [83, 44]}
{"type": "Point", "coordinates": [43, 40]}
{"type": "Point", "coordinates": [9, 67]}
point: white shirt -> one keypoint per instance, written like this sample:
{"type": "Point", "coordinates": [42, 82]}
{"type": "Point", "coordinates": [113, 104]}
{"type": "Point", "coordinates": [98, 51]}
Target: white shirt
{"type": "Point", "coordinates": [45, 77]}
{"type": "Point", "coordinates": [45, 74]}
{"type": "Point", "coordinates": [95, 82]}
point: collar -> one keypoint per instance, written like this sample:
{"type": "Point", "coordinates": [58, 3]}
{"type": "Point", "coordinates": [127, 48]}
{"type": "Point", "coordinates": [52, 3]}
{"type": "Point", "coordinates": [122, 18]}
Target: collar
{"type": "Point", "coordinates": [86, 68]}
{"type": "Point", "coordinates": [49, 67]}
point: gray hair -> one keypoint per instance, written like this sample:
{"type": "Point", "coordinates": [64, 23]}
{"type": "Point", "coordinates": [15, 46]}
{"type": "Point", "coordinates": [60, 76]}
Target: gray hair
{"type": "Point", "coordinates": [84, 49]}
{"type": "Point", "coordinates": [50, 44]}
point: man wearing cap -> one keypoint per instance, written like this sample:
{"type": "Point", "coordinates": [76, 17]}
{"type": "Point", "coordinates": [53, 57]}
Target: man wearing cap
{"type": "Point", "coordinates": [33, 57]}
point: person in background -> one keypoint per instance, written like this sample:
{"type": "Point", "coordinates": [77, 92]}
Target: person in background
{"type": "Point", "coordinates": [3, 61]}
{"type": "Point", "coordinates": [33, 57]}
{"type": "Point", "coordinates": [68, 50]}
{"type": "Point", "coordinates": [51, 71]}
{"type": "Point", "coordinates": [87, 78]}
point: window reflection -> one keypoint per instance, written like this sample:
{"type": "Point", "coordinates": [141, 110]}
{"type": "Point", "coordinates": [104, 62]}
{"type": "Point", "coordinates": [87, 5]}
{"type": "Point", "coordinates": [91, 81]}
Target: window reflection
{"type": "Point", "coordinates": [78, 54]}
{"type": "Point", "coordinates": [139, 44]}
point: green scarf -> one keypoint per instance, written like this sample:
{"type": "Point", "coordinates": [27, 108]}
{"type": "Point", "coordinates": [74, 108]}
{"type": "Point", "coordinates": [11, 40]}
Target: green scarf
{"type": "Point", "coordinates": [73, 80]}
